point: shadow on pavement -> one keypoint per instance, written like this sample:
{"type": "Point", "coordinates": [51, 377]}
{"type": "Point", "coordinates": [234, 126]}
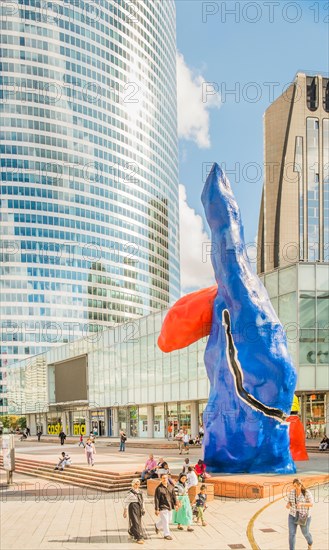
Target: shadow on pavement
{"type": "Point", "coordinates": [106, 539]}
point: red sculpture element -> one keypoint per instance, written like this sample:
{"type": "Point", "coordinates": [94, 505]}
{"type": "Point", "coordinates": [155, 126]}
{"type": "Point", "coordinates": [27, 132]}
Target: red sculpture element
{"type": "Point", "coordinates": [297, 438]}
{"type": "Point", "coordinates": [188, 320]}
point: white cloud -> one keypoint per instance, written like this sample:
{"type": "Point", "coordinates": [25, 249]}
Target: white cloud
{"type": "Point", "coordinates": [195, 273]}
{"type": "Point", "coordinates": [193, 108]}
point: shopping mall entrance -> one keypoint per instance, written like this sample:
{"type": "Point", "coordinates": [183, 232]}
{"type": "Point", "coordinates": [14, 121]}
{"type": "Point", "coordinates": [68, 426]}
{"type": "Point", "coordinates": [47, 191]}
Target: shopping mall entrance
{"type": "Point", "coordinates": [98, 423]}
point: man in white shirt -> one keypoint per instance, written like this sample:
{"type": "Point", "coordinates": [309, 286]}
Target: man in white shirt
{"type": "Point", "coordinates": [186, 440]}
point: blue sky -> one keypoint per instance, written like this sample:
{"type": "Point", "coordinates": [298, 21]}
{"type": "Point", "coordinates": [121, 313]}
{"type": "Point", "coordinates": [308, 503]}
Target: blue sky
{"type": "Point", "coordinates": [235, 53]}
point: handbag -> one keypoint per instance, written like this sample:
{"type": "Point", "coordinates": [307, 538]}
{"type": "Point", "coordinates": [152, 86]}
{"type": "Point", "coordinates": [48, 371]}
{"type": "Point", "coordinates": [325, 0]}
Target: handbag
{"type": "Point", "coordinates": [301, 519]}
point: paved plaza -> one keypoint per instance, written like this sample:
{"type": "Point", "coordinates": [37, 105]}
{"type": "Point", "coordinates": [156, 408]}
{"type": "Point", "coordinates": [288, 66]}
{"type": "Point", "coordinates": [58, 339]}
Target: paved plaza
{"type": "Point", "coordinates": [37, 513]}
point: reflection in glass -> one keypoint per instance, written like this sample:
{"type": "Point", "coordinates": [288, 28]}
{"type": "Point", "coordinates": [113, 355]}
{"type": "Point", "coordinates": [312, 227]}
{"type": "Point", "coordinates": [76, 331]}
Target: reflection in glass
{"type": "Point", "coordinates": [326, 190]}
{"type": "Point", "coordinates": [298, 167]}
{"type": "Point", "coordinates": [312, 133]}
{"type": "Point", "coordinates": [307, 311]}
{"type": "Point", "coordinates": [307, 347]}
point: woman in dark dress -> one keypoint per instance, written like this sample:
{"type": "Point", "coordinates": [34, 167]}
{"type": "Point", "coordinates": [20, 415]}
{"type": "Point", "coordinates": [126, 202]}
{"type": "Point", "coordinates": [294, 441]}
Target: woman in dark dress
{"type": "Point", "coordinates": [134, 505]}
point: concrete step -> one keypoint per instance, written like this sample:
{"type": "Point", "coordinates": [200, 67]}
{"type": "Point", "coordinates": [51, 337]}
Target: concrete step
{"type": "Point", "coordinates": [313, 449]}
{"type": "Point", "coordinates": [109, 475]}
{"type": "Point", "coordinates": [79, 476]}
{"type": "Point", "coordinates": [59, 478]}
{"type": "Point", "coordinates": [67, 474]}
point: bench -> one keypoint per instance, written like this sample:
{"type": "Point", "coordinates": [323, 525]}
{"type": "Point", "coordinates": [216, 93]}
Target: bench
{"type": "Point", "coordinates": [193, 491]}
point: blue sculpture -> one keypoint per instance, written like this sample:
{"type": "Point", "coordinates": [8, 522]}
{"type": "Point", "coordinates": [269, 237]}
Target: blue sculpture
{"type": "Point", "coordinates": [251, 374]}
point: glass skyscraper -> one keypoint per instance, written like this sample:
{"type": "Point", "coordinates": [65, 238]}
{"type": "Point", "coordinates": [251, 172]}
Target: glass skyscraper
{"type": "Point", "coordinates": [89, 169]}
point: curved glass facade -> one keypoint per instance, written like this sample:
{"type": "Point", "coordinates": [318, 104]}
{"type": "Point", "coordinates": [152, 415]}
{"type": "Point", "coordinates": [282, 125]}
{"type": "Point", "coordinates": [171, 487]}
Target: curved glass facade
{"type": "Point", "coordinates": [89, 167]}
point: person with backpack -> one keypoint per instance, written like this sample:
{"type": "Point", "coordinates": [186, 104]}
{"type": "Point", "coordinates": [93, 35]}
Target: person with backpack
{"type": "Point", "coordinates": [123, 439]}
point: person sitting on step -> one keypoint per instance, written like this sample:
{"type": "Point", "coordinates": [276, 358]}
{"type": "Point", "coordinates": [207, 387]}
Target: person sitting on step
{"type": "Point", "coordinates": [64, 460]}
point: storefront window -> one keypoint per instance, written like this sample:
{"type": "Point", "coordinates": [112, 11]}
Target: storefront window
{"type": "Point", "coordinates": [172, 417]}
{"type": "Point", "coordinates": [133, 421]}
{"type": "Point", "coordinates": [79, 423]}
{"type": "Point", "coordinates": [122, 417]}
{"type": "Point", "coordinates": [142, 421]}
{"type": "Point", "coordinates": [202, 407]}
{"type": "Point", "coordinates": [315, 415]}
{"type": "Point", "coordinates": [185, 416]}
{"type": "Point", "coordinates": [159, 421]}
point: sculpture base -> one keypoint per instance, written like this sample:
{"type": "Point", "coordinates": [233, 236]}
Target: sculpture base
{"type": "Point", "coordinates": [251, 487]}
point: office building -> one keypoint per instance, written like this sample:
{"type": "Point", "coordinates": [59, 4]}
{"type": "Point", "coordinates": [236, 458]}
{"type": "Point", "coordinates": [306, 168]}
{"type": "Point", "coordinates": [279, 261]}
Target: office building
{"type": "Point", "coordinates": [293, 235]}
{"type": "Point", "coordinates": [89, 169]}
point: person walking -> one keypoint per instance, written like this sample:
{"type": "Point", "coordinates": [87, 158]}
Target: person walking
{"type": "Point", "coordinates": [39, 434]}
{"type": "Point", "coordinates": [134, 509]}
{"type": "Point", "coordinates": [90, 452]}
{"type": "Point", "coordinates": [179, 439]}
{"type": "Point", "coordinates": [165, 501]}
{"type": "Point", "coordinates": [200, 505]}
{"type": "Point", "coordinates": [186, 441]}
{"type": "Point", "coordinates": [28, 431]}
{"type": "Point", "coordinates": [300, 502]}
{"type": "Point", "coordinates": [170, 430]}
{"type": "Point", "coordinates": [123, 439]}
{"type": "Point", "coordinates": [81, 442]}
{"type": "Point", "coordinates": [62, 437]}
{"type": "Point", "coordinates": [183, 516]}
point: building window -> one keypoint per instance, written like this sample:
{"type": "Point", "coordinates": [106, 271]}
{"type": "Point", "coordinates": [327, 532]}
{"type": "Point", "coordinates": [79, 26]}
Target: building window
{"type": "Point", "coordinates": [325, 160]}
{"type": "Point", "coordinates": [312, 93]}
{"type": "Point", "coordinates": [298, 167]}
{"type": "Point", "coordinates": [313, 229]}
{"type": "Point", "coordinates": [325, 94]}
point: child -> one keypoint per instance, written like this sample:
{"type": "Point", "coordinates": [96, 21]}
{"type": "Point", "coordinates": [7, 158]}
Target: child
{"type": "Point", "coordinates": [200, 505]}
{"type": "Point", "coordinates": [185, 465]}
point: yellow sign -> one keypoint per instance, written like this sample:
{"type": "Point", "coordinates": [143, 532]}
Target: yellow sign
{"type": "Point", "coordinates": [54, 429]}
{"type": "Point", "coordinates": [79, 429]}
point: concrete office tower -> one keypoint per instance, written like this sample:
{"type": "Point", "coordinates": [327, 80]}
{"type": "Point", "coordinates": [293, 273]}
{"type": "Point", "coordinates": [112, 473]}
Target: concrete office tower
{"type": "Point", "coordinates": [89, 168]}
{"type": "Point", "coordinates": [293, 235]}
{"type": "Point", "coordinates": [294, 215]}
